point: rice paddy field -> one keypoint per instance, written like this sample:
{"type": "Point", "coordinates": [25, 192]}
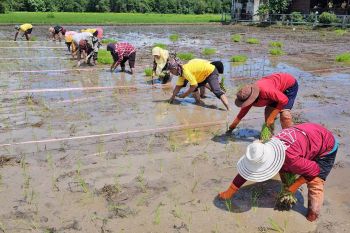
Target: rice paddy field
{"type": "Point", "coordinates": [87, 150]}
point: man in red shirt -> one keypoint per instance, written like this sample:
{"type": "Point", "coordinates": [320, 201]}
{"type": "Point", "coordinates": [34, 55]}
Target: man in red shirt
{"type": "Point", "coordinates": [276, 91]}
{"type": "Point", "coordinates": [121, 53]}
{"type": "Point", "coordinates": [307, 150]}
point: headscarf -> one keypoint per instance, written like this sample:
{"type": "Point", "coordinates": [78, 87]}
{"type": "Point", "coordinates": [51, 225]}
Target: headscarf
{"type": "Point", "coordinates": [175, 63]}
{"type": "Point", "coordinates": [162, 60]}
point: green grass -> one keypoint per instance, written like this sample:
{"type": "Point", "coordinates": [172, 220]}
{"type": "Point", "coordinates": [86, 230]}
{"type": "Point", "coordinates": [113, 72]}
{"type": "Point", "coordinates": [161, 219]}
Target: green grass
{"type": "Point", "coordinates": [160, 45]}
{"type": "Point", "coordinates": [236, 38]}
{"type": "Point", "coordinates": [344, 57]}
{"type": "Point", "coordinates": [253, 41]}
{"type": "Point", "coordinates": [340, 32]}
{"type": "Point", "coordinates": [185, 56]}
{"type": "Point", "coordinates": [104, 18]}
{"type": "Point", "coordinates": [104, 57]}
{"type": "Point", "coordinates": [208, 51]}
{"type": "Point", "coordinates": [174, 37]}
{"type": "Point", "coordinates": [276, 52]}
{"type": "Point", "coordinates": [239, 58]}
{"type": "Point", "coordinates": [108, 40]}
{"type": "Point", "coordinates": [276, 44]}
{"type": "Point", "coordinates": [148, 72]}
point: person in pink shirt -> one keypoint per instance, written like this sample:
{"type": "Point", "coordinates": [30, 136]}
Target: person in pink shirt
{"type": "Point", "coordinates": [276, 91]}
{"type": "Point", "coordinates": [308, 150]}
{"type": "Point", "coordinates": [121, 53]}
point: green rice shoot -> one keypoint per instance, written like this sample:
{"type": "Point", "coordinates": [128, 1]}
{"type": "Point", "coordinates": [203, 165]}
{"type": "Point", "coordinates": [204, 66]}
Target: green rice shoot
{"type": "Point", "coordinates": [185, 56]}
{"type": "Point", "coordinates": [236, 38]}
{"type": "Point", "coordinates": [33, 38]}
{"type": "Point", "coordinates": [104, 57]}
{"type": "Point", "coordinates": [253, 41]}
{"type": "Point", "coordinates": [276, 44]}
{"type": "Point", "coordinates": [344, 57]}
{"type": "Point", "coordinates": [340, 32]}
{"type": "Point", "coordinates": [148, 72]}
{"type": "Point", "coordinates": [174, 37]}
{"type": "Point", "coordinates": [108, 41]}
{"type": "Point", "coordinates": [208, 51]}
{"type": "Point", "coordinates": [222, 84]}
{"type": "Point", "coordinates": [160, 45]}
{"type": "Point", "coordinates": [276, 52]}
{"type": "Point", "coordinates": [266, 133]}
{"type": "Point", "coordinates": [239, 58]}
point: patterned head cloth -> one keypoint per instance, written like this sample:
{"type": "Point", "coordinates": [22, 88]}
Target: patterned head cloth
{"type": "Point", "coordinates": [174, 63]}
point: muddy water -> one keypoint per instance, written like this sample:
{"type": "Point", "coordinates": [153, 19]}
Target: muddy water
{"type": "Point", "coordinates": [155, 180]}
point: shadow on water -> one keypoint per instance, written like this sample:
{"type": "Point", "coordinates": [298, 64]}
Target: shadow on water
{"type": "Point", "coordinates": [244, 135]}
{"type": "Point", "coordinates": [257, 195]}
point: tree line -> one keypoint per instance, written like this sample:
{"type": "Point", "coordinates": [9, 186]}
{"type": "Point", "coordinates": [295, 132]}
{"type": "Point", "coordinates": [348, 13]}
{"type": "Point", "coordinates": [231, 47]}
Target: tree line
{"type": "Point", "coordinates": [119, 6]}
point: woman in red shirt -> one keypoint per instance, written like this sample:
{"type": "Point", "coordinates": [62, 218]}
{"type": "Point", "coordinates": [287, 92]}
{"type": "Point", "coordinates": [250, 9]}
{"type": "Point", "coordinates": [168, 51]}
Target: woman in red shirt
{"type": "Point", "coordinates": [307, 150]}
{"type": "Point", "coordinates": [276, 91]}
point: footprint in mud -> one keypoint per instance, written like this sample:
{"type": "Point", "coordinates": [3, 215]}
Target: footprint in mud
{"type": "Point", "coordinates": [246, 133]}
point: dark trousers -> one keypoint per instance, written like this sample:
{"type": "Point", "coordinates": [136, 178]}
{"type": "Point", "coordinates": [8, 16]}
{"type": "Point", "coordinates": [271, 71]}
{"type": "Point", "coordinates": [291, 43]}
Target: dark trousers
{"type": "Point", "coordinates": [131, 58]}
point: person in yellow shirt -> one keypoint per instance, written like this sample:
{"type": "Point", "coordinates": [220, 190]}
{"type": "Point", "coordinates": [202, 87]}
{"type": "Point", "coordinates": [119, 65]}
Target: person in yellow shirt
{"type": "Point", "coordinates": [25, 28]}
{"type": "Point", "coordinates": [198, 73]}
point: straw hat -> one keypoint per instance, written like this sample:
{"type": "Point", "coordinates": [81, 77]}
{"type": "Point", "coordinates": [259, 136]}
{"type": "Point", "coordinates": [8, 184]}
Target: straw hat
{"type": "Point", "coordinates": [247, 95]}
{"type": "Point", "coordinates": [262, 161]}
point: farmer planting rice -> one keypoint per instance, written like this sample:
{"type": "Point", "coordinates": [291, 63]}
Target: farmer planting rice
{"type": "Point", "coordinates": [121, 53]}
{"type": "Point", "coordinates": [198, 73]}
{"type": "Point", "coordinates": [85, 51]}
{"type": "Point", "coordinates": [25, 28]}
{"type": "Point", "coordinates": [308, 150]}
{"type": "Point", "coordinates": [276, 91]}
{"type": "Point", "coordinates": [77, 38]}
{"type": "Point", "coordinates": [69, 38]}
{"type": "Point", "coordinates": [57, 33]}
{"type": "Point", "coordinates": [160, 60]}
{"type": "Point", "coordinates": [98, 32]}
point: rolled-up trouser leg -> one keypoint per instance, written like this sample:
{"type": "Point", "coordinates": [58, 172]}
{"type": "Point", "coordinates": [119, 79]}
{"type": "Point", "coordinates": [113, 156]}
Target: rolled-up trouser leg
{"type": "Point", "coordinates": [286, 118]}
{"type": "Point", "coordinates": [213, 81]}
{"type": "Point", "coordinates": [315, 198]}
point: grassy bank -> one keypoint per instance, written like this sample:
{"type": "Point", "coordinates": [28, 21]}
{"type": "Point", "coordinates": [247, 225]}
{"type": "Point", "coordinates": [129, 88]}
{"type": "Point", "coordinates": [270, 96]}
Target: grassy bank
{"type": "Point", "coordinates": [103, 18]}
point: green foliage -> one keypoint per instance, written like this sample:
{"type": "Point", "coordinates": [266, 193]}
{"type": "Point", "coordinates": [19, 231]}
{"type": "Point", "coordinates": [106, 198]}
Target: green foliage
{"type": "Point", "coordinates": [33, 38]}
{"type": "Point", "coordinates": [160, 45]}
{"type": "Point", "coordinates": [278, 6]}
{"type": "Point", "coordinates": [328, 18]}
{"type": "Point", "coordinates": [276, 52]}
{"type": "Point", "coordinates": [276, 44]}
{"type": "Point", "coordinates": [148, 72]}
{"type": "Point", "coordinates": [108, 41]}
{"type": "Point", "coordinates": [104, 57]}
{"type": "Point", "coordinates": [239, 58]}
{"type": "Point", "coordinates": [208, 51]}
{"type": "Point", "coordinates": [3, 7]}
{"type": "Point", "coordinates": [296, 17]}
{"type": "Point", "coordinates": [50, 15]}
{"type": "Point", "coordinates": [340, 32]}
{"type": "Point", "coordinates": [253, 41]}
{"type": "Point", "coordinates": [185, 56]}
{"type": "Point", "coordinates": [263, 9]}
{"type": "Point", "coordinates": [236, 38]}
{"type": "Point", "coordinates": [174, 37]}
{"type": "Point", "coordinates": [344, 57]}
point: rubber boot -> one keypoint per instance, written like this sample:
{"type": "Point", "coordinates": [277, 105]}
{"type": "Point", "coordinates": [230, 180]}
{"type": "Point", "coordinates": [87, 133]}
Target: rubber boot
{"type": "Point", "coordinates": [315, 198]}
{"type": "Point", "coordinates": [286, 119]}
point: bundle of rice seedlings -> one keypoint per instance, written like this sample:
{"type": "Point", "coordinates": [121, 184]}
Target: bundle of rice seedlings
{"type": "Point", "coordinates": [222, 84]}
{"type": "Point", "coordinates": [266, 133]}
{"type": "Point", "coordinates": [285, 199]}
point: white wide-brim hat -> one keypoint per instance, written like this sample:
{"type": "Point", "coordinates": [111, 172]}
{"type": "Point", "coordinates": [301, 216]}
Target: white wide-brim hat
{"type": "Point", "coordinates": [262, 161]}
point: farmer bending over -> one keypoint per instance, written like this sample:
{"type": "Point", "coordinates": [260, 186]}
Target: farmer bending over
{"type": "Point", "coordinates": [198, 73]}
{"type": "Point", "coordinates": [26, 29]}
{"type": "Point", "coordinates": [76, 38]}
{"type": "Point", "coordinates": [69, 39]}
{"type": "Point", "coordinates": [307, 149]}
{"type": "Point", "coordinates": [98, 32]}
{"type": "Point", "coordinates": [160, 60]}
{"type": "Point", "coordinates": [84, 49]}
{"type": "Point", "coordinates": [276, 91]}
{"type": "Point", "coordinates": [121, 53]}
{"type": "Point", "coordinates": [57, 32]}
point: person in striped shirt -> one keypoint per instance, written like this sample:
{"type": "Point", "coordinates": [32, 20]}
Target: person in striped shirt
{"type": "Point", "coordinates": [121, 53]}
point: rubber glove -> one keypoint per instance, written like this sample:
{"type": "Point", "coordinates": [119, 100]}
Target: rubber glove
{"type": "Point", "coordinates": [228, 193]}
{"type": "Point", "coordinates": [299, 182]}
{"type": "Point", "coordinates": [271, 118]}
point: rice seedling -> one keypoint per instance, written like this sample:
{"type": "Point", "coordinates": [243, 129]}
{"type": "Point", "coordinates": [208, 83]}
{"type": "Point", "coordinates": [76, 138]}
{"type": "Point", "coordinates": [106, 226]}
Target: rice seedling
{"type": "Point", "coordinates": [148, 72]}
{"type": "Point", "coordinates": [266, 133]}
{"type": "Point", "coordinates": [176, 212]}
{"type": "Point", "coordinates": [51, 165]}
{"type": "Point", "coordinates": [33, 38]}
{"type": "Point", "coordinates": [104, 57]}
{"type": "Point", "coordinates": [108, 41]}
{"type": "Point", "coordinates": [276, 227]}
{"type": "Point", "coordinates": [228, 205]}
{"type": "Point", "coordinates": [276, 44]}
{"type": "Point", "coordinates": [2, 227]}
{"type": "Point", "coordinates": [239, 58]}
{"type": "Point", "coordinates": [157, 214]}
{"type": "Point", "coordinates": [276, 52]}
{"type": "Point", "coordinates": [222, 84]}
{"type": "Point", "coordinates": [174, 37]}
{"type": "Point", "coordinates": [253, 41]}
{"type": "Point", "coordinates": [141, 180]}
{"type": "Point", "coordinates": [344, 57]}
{"type": "Point", "coordinates": [340, 32]}
{"type": "Point", "coordinates": [84, 186]}
{"type": "Point", "coordinates": [194, 186]}
{"type": "Point", "coordinates": [255, 195]}
{"type": "Point", "coordinates": [208, 51]}
{"type": "Point", "coordinates": [185, 56]}
{"type": "Point", "coordinates": [117, 186]}
{"type": "Point", "coordinates": [285, 199]}
{"type": "Point", "coordinates": [236, 38]}
{"type": "Point", "coordinates": [160, 45]}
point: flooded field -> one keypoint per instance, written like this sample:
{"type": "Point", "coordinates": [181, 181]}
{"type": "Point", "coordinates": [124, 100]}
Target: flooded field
{"type": "Point", "coordinates": [86, 150]}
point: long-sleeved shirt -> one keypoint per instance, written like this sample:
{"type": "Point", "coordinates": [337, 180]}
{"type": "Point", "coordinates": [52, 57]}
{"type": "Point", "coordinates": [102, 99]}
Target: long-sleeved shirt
{"type": "Point", "coordinates": [82, 36]}
{"type": "Point", "coordinates": [195, 71]}
{"type": "Point", "coordinates": [305, 143]}
{"type": "Point", "coordinates": [271, 91]}
{"type": "Point", "coordinates": [122, 49]}
{"type": "Point", "coordinates": [25, 27]}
